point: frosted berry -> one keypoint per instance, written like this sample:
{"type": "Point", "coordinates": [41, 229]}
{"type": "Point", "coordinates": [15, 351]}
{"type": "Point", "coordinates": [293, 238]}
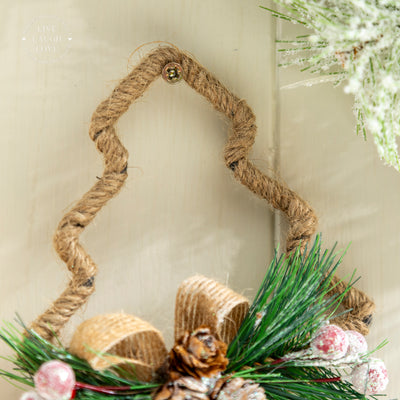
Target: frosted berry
{"type": "Point", "coordinates": [370, 377]}
{"type": "Point", "coordinates": [357, 344]}
{"type": "Point", "coordinates": [330, 343]}
{"type": "Point", "coordinates": [30, 396]}
{"type": "Point", "coordinates": [55, 380]}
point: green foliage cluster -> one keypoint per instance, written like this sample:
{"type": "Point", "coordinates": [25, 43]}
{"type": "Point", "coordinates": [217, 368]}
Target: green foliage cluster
{"type": "Point", "coordinates": [294, 300]}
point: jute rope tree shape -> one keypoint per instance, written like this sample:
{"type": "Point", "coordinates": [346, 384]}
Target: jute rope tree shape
{"type": "Point", "coordinates": [301, 217]}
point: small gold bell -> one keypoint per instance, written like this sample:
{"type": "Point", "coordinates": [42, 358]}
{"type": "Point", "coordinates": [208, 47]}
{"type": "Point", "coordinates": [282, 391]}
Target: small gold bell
{"type": "Point", "coordinates": [172, 72]}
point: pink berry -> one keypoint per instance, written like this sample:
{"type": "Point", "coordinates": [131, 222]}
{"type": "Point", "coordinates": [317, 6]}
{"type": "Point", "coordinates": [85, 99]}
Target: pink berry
{"type": "Point", "coordinates": [55, 380]}
{"type": "Point", "coordinates": [357, 343]}
{"type": "Point", "coordinates": [30, 396]}
{"type": "Point", "coordinates": [330, 343]}
{"type": "Point", "coordinates": [370, 377]}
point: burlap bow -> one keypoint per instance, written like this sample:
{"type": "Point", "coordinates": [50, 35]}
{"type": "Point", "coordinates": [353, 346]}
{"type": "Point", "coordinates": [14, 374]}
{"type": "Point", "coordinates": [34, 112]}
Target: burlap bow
{"type": "Point", "coordinates": [136, 346]}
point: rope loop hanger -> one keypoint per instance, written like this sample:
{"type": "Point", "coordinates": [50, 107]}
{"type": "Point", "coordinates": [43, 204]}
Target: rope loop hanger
{"type": "Point", "coordinates": [301, 217]}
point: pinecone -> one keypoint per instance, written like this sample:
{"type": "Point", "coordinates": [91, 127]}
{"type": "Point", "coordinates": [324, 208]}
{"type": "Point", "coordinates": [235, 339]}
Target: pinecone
{"type": "Point", "coordinates": [198, 354]}
{"type": "Point", "coordinates": [237, 389]}
{"type": "Point", "coordinates": [184, 388]}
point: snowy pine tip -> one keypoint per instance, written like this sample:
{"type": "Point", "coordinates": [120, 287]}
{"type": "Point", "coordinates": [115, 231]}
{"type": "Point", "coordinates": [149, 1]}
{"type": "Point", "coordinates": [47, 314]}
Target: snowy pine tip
{"type": "Point", "coordinates": [357, 40]}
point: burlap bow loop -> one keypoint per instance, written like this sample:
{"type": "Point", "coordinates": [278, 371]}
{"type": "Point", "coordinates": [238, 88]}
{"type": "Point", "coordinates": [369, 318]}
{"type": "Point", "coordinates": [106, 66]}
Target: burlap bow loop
{"type": "Point", "coordinates": [134, 345]}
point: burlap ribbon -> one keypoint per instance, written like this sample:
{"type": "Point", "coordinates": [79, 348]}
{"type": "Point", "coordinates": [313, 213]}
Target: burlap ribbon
{"type": "Point", "coordinates": [125, 341]}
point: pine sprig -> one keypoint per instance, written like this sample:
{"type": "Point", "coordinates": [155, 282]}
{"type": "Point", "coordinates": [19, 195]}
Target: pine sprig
{"type": "Point", "coordinates": [300, 383]}
{"type": "Point", "coordinates": [359, 40]}
{"type": "Point", "coordinates": [31, 351]}
{"type": "Point", "coordinates": [307, 383]}
{"type": "Point", "coordinates": [291, 304]}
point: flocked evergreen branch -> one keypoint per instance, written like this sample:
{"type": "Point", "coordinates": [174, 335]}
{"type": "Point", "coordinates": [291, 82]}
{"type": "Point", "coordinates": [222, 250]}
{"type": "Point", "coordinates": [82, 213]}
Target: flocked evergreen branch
{"type": "Point", "coordinates": [357, 41]}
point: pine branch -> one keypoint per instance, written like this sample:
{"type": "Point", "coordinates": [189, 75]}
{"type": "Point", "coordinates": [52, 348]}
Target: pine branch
{"type": "Point", "coordinates": [292, 303]}
{"type": "Point", "coordinates": [31, 351]}
{"type": "Point", "coordinates": [363, 39]}
{"type": "Point", "coordinates": [301, 383]}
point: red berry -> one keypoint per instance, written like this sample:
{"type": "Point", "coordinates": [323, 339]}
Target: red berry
{"type": "Point", "coordinates": [330, 343]}
{"type": "Point", "coordinates": [370, 377]}
{"type": "Point", "coordinates": [357, 344]}
{"type": "Point", "coordinates": [55, 380]}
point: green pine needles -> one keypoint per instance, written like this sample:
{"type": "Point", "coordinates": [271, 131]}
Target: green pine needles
{"type": "Point", "coordinates": [291, 304]}
{"type": "Point", "coordinates": [357, 41]}
{"type": "Point", "coordinates": [294, 300]}
{"type": "Point", "coordinates": [31, 351]}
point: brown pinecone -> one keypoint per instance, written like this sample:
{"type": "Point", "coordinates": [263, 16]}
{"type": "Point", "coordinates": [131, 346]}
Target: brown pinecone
{"type": "Point", "coordinates": [237, 389]}
{"type": "Point", "coordinates": [198, 354]}
{"type": "Point", "coordinates": [184, 388]}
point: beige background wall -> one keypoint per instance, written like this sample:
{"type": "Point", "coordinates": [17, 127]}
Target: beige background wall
{"type": "Point", "coordinates": [180, 212]}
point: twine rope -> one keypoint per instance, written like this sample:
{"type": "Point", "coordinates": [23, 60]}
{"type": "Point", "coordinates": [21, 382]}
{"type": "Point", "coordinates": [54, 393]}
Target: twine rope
{"type": "Point", "coordinates": [301, 217]}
